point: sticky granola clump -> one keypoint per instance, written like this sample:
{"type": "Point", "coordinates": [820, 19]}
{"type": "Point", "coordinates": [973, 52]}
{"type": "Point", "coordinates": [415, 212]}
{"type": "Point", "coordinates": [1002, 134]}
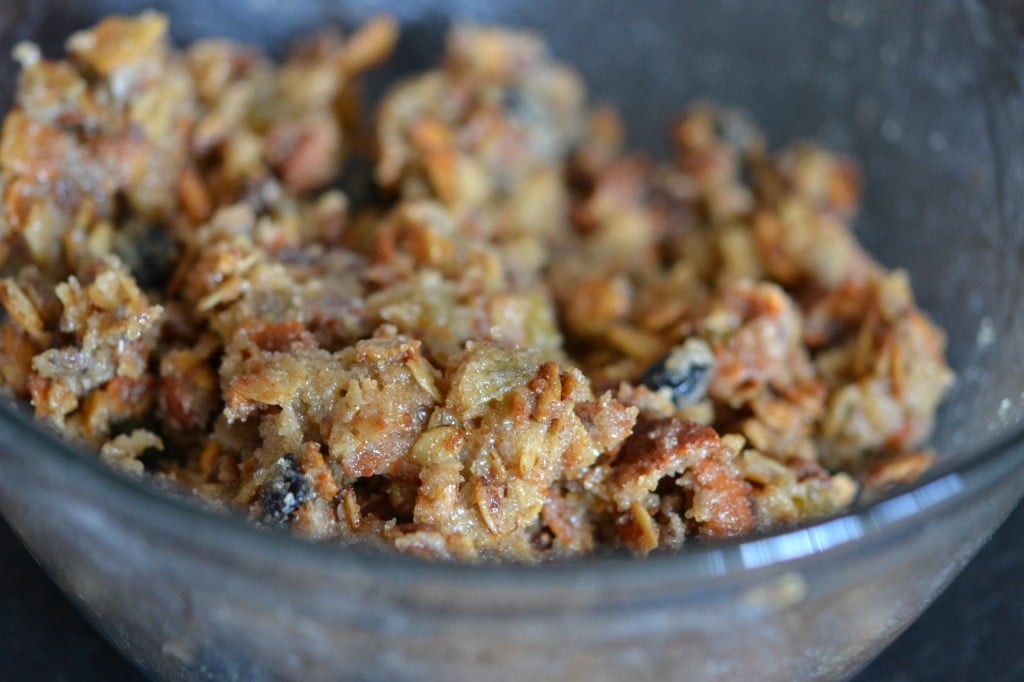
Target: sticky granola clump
{"type": "Point", "coordinates": [477, 329]}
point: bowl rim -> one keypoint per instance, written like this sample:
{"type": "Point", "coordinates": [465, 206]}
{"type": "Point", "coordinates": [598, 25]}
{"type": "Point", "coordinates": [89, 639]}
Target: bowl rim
{"type": "Point", "coordinates": [949, 481]}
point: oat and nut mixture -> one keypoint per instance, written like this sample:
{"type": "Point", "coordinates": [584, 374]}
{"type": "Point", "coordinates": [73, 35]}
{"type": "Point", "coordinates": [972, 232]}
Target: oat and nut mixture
{"type": "Point", "coordinates": [478, 329]}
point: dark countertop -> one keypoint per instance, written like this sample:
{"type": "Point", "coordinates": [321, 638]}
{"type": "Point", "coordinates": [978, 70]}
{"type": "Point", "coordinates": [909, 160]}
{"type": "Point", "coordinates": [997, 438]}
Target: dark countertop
{"type": "Point", "coordinates": [972, 632]}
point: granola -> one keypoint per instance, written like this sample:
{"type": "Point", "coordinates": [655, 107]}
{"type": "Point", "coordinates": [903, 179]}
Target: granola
{"type": "Point", "coordinates": [478, 329]}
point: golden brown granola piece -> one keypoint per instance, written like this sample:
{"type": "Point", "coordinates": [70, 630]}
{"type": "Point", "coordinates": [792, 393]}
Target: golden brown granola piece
{"type": "Point", "coordinates": [16, 353]}
{"type": "Point", "coordinates": [485, 135]}
{"type": "Point", "coordinates": [263, 124]}
{"type": "Point", "coordinates": [435, 285]}
{"type": "Point", "coordinates": [568, 516]}
{"type": "Point", "coordinates": [885, 381]}
{"type": "Point", "coordinates": [22, 311]}
{"type": "Point", "coordinates": [762, 367]}
{"type": "Point", "coordinates": [694, 455]}
{"type": "Point", "coordinates": [508, 430]}
{"type": "Point", "coordinates": [110, 123]}
{"type": "Point", "coordinates": [121, 400]}
{"type": "Point", "coordinates": [189, 391]}
{"type": "Point", "coordinates": [788, 493]}
{"type": "Point", "coordinates": [119, 43]}
{"type": "Point", "coordinates": [387, 400]}
{"type": "Point", "coordinates": [899, 469]}
{"type": "Point", "coordinates": [124, 451]}
{"type": "Point", "coordinates": [112, 328]}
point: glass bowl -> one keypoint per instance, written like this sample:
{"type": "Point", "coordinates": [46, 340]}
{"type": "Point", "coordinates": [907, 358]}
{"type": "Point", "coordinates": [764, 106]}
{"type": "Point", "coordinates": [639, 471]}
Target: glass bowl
{"type": "Point", "coordinates": [927, 96]}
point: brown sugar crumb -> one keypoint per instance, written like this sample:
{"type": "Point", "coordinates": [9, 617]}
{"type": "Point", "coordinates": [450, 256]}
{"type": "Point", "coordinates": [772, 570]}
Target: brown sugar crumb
{"type": "Point", "coordinates": [477, 329]}
{"type": "Point", "coordinates": [899, 469]}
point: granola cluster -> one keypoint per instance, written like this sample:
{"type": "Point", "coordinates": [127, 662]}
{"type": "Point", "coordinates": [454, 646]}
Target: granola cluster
{"type": "Point", "coordinates": [477, 329]}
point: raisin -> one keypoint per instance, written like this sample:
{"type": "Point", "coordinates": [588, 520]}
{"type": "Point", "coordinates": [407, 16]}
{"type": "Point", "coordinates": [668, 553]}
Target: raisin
{"type": "Point", "coordinates": [358, 183]}
{"type": "Point", "coordinates": [514, 103]}
{"type": "Point", "coordinates": [149, 251]}
{"type": "Point", "coordinates": [685, 370]}
{"type": "Point", "coordinates": [521, 108]}
{"type": "Point", "coordinates": [283, 492]}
